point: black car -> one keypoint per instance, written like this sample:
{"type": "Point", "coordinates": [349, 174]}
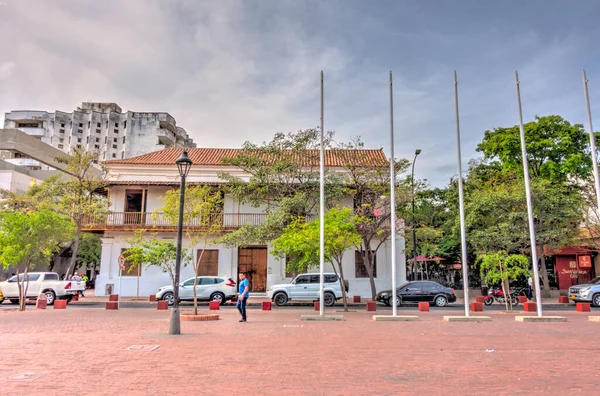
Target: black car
{"type": "Point", "coordinates": [415, 292]}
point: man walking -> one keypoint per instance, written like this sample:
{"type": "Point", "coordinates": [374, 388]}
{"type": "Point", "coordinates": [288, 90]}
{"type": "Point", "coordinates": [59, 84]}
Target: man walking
{"type": "Point", "coordinates": [244, 293]}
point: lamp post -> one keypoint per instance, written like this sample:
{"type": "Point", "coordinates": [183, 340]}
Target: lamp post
{"type": "Point", "coordinates": [414, 225]}
{"type": "Point", "coordinates": [184, 163]}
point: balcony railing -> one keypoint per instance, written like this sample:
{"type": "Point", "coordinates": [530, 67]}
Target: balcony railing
{"type": "Point", "coordinates": [158, 221]}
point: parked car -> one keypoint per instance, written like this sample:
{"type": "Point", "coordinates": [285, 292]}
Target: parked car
{"type": "Point", "coordinates": [208, 288]}
{"type": "Point", "coordinates": [589, 292]}
{"type": "Point", "coordinates": [47, 283]}
{"type": "Point", "coordinates": [414, 292]}
{"type": "Point", "coordinates": [306, 287]}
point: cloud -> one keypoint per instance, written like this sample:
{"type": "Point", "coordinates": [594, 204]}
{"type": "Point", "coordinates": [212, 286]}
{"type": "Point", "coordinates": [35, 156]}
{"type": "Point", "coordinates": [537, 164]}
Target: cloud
{"type": "Point", "coordinates": [6, 69]}
{"type": "Point", "coordinates": [244, 70]}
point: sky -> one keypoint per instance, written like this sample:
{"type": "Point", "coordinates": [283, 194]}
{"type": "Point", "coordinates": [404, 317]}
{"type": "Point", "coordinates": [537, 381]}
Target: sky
{"type": "Point", "coordinates": [232, 71]}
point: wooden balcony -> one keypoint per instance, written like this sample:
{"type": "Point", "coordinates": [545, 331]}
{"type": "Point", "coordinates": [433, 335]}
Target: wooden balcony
{"type": "Point", "coordinates": [129, 221]}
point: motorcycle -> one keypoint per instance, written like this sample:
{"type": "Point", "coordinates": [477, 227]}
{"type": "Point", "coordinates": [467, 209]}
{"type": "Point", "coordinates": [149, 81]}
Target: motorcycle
{"type": "Point", "coordinates": [496, 294]}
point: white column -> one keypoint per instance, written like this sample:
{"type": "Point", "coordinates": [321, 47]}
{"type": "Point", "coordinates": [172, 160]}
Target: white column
{"type": "Point", "coordinates": [106, 260]}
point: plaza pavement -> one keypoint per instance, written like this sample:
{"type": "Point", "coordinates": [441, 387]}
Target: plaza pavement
{"type": "Point", "coordinates": [83, 351]}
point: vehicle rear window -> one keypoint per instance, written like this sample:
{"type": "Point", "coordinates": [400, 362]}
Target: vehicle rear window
{"type": "Point", "coordinates": [314, 279]}
{"type": "Point", "coordinates": [219, 280]}
{"type": "Point", "coordinates": [51, 277]}
{"type": "Point", "coordinates": [331, 278]}
{"type": "Point", "coordinates": [208, 281]}
{"type": "Point", "coordinates": [31, 277]}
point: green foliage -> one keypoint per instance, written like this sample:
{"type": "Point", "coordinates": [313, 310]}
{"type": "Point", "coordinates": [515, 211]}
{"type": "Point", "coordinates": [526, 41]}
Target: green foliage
{"type": "Point", "coordinates": [500, 267]}
{"type": "Point", "coordinates": [28, 239]}
{"type": "Point", "coordinates": [154, 252]}
{"type": "Point", "coordinates": [556, 150]}
{"type": "Point", "coordinates": [89, 250]}
{"type": "Point", "coordinates": [301, 242]}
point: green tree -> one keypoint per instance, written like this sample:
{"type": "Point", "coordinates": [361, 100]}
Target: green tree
{"type": "Point", "coordinates": [150, 251]}
{"type": "Point", "coordinates": [556, 150]}
{"type": "Point", "coordinates": [89, 251]}
{"type": "Point", "coordinates": [501, 267]}
{"type": "Point", "coordinates": [301, 242]}
{"type": "Point", "coordinates": [30, 239]}
{"type": "Point", "coordinates": [283, 177]}
{"type": "Point", "coordinates": [368, 185]}
{"type": "Point", "coordinates": [202, 217]}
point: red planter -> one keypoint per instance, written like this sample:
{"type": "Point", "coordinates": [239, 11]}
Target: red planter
{"type": "Point", "coordinates": [424, 306]}
{"type": "Point", "coordinates": [477, 307]}
{"type": "Point", "coordinates": [563, 300]}
{"type": "Point", "coordinates": [112, 305]}
{"type": "Point", "coordinates": [152, 298]}
{"type": "Point", "coordinates": [162, 305]}
{"type": "Point", "coordinates": [480, 299]}
{"type": "Point", "coordinates": [266, 305]}
{"type": "Point", "coordinates": [529, 307]}
{"type": "Point", "coordinates": [214, 305]}
{"type": "Point", "coordinates": [75, 298]}
{"type": "Point", "coordinates": [317, 306]}
{"type": "Point", "coordinates": [371, 306]}
{"type": "Point", "coordinates": [356, 299]}
{"type": "Point", "coordinates": [522, 299]}
{"type": "Point", "coordinates": [60, 304]}
{"type": "Point", "coordinates": [41, 303]}
{"type": "Point", "coordinates": [583, 307]}
{"type": "Point", "coordinates": [113, 297]}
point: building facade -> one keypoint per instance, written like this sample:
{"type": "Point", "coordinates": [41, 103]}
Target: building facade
{"type": "Point", "coordinates": [135, 188]}
{"type": "Point", "coordinates": [98, 126]}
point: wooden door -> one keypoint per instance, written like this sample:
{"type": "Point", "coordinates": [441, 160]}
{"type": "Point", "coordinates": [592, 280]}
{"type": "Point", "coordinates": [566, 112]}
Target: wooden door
{"type": "Point", "coordinates": [253, 261]}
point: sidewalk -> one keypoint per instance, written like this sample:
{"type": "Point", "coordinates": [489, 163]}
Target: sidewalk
{"type": "Point", "coordinates": [256, 301]}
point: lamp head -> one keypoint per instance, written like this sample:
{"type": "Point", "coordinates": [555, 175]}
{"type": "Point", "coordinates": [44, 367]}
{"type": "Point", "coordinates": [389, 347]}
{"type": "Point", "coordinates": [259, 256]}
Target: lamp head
{"type": "Point", "coordinates": [417, 151]}
{"type": "Point", "coordinates": [184, 163]}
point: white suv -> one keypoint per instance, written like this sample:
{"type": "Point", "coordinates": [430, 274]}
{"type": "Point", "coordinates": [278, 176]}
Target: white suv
{"type": "Point", "coordinates": [305, 287]}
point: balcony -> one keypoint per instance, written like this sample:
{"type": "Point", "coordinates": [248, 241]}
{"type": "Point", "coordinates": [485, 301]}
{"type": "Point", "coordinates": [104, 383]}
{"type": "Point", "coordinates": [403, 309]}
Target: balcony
{"type": "Point", "coordinates": [35, 132]}
{"type": "Point", "coordinates": [124, 221]}
{"type": "Point", "coordinates": [131, 221]}
{"type": "Point", "coordinates": [166, 137]}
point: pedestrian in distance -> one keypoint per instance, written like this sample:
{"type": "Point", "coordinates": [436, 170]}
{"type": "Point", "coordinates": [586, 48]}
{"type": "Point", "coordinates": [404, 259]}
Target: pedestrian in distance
{"type": "Point", "coordinates": [244, 293]}
{"type": "Point", "coordinates": [530, 288]}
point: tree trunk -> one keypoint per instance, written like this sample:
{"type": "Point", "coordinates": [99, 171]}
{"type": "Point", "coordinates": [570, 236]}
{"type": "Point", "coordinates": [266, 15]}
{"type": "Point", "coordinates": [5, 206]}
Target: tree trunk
{"type": "Point", "coordinates": [368, 255]}
{"type": "Point", "coordinates": [73, 261]}
{"type": "Point", "coordinates": [544, 273]}
{"type": "Point", "coordinates": [196, 270]}
{"type": "Point", "coordinates": [342, 283]}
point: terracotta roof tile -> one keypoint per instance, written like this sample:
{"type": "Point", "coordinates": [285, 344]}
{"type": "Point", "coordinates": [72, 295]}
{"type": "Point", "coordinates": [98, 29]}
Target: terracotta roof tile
{"type": "Point", "coordinates": [215, 156]}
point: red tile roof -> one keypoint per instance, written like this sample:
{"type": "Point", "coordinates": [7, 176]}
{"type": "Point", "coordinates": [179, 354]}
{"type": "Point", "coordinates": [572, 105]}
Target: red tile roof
{"type": "Point", "coordinates": [215, 156]}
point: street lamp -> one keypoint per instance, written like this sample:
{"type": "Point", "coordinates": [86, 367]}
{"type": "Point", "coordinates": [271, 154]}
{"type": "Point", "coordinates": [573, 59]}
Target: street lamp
{"type": "Point", "coordinates": [414, 232]}
{"type": "Point", "coordinates": [184, 163]}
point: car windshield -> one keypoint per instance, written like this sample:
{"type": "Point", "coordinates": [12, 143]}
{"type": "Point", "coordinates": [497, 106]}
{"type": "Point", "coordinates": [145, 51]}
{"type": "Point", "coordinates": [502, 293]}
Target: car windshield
{"type": "Point", "coordinates": [595, 281]}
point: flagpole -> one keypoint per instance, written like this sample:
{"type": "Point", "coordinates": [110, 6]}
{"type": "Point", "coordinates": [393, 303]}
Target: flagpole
{"type": "Point", "coordinates": [393, 200]}
{"type": "Point", "coordinates": [461, 201]}
{"type": "Point", "coordinates": [592, 138]}
{"type": "Point", "coordinates": [536, 276]}
{"type": "Point", "coordinates": [322, 208]}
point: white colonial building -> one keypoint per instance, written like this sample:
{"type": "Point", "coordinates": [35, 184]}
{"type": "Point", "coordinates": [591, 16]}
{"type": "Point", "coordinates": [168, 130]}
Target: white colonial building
{"type": "Point", "coordinates": [135, 186]}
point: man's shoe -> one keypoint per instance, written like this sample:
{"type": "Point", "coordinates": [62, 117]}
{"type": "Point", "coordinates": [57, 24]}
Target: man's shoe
{"type": "Point", "coordinates": [242, 320]}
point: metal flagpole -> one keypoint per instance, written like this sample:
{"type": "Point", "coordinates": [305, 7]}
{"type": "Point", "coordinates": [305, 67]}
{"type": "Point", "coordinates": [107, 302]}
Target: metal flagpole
{"type": "Point", "coordinates": [592, 139]}
{"type": "Point", "coordinates": [536, 276]}
{"type": "Point", "coordinates": [322, 208]}
{"type": "Point", "coordinates": [393, 200]}
{"type": "Point", "coordinates": [461, 201]}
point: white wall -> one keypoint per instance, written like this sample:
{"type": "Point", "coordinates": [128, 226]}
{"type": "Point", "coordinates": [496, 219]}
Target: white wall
{"type": "Point", "coordinates": [16, 182]}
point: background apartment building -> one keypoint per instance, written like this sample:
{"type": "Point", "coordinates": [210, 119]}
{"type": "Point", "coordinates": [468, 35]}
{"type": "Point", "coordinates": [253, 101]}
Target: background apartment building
{"type": "Point", "coordinates": [97, 126]}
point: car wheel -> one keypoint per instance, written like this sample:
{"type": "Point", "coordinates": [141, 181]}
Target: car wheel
{"type": "Point", "coordinates": [488, 301]}
{"type": "Point", "coordinates": [280, 299]}
{"type": "Point", "coordinates": [50, 297]}
{"type": "Point", "coordinates": [398, 301]}
{"type": "Point", "coordinates": [169, 297]}
{"type": "Point", "coordinates": [220, 297]}
{"type": "Point", "coordinates": [329, 299]}
{"type": "Point", "coordinates": [596, 300]}
{"type": "Point", "coordinates": [440, 301]}
{"type": "Point", "coordinates": [13, 301]}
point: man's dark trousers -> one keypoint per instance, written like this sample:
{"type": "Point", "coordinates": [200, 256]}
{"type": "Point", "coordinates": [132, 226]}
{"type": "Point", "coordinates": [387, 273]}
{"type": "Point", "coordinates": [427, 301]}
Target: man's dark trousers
{"type": "Point", "coordinates": [241, 306]}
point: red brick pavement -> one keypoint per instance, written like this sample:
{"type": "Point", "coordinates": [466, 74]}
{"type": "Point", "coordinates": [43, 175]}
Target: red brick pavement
{"type": "Point", "coordinates": [82, 352]}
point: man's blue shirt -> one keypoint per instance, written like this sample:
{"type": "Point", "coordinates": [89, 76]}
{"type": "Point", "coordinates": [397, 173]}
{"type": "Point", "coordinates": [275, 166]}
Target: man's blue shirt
{"type": "Point", "coordinates": [243, 284]}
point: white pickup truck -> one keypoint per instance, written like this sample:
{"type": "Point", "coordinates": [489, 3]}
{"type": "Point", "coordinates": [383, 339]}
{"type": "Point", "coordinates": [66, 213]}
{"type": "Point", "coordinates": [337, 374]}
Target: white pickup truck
{"type": "Point", "coordinates": [47, 283]}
